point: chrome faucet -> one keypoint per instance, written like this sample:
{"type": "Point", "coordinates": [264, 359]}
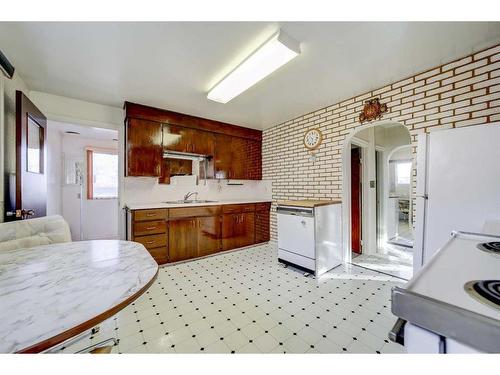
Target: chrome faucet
{"type": "Point", "coordinates": [189, 194]}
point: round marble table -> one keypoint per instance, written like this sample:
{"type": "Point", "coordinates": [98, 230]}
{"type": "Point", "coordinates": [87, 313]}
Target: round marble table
{"type": "Point", "coordinates": [51, 293]}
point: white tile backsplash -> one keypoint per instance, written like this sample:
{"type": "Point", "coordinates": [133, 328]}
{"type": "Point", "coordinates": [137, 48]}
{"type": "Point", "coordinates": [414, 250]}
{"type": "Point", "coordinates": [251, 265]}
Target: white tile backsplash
{"type": "Point", "coordinates": [138, 190]}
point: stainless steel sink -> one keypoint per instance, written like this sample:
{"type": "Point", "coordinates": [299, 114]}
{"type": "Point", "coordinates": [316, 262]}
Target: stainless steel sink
{"type": "Point", "coordinates": [193, 201]}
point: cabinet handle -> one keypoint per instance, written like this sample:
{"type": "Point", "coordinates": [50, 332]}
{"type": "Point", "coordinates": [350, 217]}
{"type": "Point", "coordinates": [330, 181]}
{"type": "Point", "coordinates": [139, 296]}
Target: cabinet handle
{"type": "Point", "coordinates": [150, 242]}
{"type": "Point", "coordinates": [150, 214]}
{"type": "Point", "coordinates": [151, 228]}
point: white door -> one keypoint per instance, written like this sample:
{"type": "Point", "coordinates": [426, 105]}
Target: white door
{"type": "Point", "coordinates": [459, 172]}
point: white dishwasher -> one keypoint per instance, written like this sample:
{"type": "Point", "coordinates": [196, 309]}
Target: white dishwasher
{"type": "Point", "coordinates": [310, 237]}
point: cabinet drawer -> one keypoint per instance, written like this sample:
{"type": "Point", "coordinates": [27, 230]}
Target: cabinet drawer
{"type": "Point", "coordinates": [143, 228]}
{"type": "Point", "coordinates": [181, 212]}
{"type": "Point", "coordinates": [152, 241]}
{"type": "Point", "coordinates": [160, 254]}
{"type": "Point", "coordinates": [238, 208]}
{"type": "Point", "coordinates": [155, 214]}
{"type": "Point", "coordinates": [264, 206]}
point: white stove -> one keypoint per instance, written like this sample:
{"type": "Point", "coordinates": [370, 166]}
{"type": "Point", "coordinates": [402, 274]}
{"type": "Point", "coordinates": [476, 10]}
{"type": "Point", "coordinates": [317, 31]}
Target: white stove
{"type": "Point", "coordinates": [453, 303]}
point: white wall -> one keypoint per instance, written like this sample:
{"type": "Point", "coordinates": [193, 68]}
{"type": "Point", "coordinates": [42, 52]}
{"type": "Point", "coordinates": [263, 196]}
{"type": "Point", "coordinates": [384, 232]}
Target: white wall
{"type": "Point", "coordinates": [80, 112]}
{"type": "Point", "coordinates": [54, 170]}
{"type": "Point", "coordinates": [99, 216]}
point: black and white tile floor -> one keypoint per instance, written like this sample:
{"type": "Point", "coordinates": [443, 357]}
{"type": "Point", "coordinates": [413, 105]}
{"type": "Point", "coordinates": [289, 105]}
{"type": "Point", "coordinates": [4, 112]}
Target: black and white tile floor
{"type": "Point", "coordinates": [245, 302]}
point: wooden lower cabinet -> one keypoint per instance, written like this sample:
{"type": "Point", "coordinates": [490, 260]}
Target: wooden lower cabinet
{"type": "Point", "coordinates": [262, 223]}
{"type": "Point", "coordinates": [209, 235]}
{"type": "Point", "coordinates": [183, 238]}
{"type": "Point", "coordinates": [149, 227]}
{"type": "Point", "coordinates": [177, 234]}
{"type": "Point", "coordinates": [238, 230]}
{"type": "Point", "coordinates": [194, 237]}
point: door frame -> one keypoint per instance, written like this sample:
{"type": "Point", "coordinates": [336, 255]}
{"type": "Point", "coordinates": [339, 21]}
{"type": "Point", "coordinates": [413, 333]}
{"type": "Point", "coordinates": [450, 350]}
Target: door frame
{"type": "Point", "coordinates": [363, 196]}
{"type": "Point", "coordinates": [346, 184]}
{"type": "Point", "coordinates": [402, 147]}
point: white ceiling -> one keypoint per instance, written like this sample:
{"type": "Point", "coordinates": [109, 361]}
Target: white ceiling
{"type": "Point", "coordinates": [84, 131]}
{"type": "Point", "coordinates": [172, 65]}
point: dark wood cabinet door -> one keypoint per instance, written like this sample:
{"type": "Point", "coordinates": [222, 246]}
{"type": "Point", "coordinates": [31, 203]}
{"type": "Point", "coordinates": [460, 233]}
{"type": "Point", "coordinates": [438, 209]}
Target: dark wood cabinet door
{"type": "Point", "coordinates": [247, 229]}
{"type": "Point", "coordinates": [181, 139]}
{"type": "Point", "coordinates": [182, 239]}
{"type": "Point", "coordinates": [238, 230]}
{"type": "Point", "coordinates": [223, 156]}
{"type": "Point", "coordinates": [144, 148]}
{"type": "Point", "coordinates": [253, 159]}
{"type": "Point", "coordinates": [262, 223]}
{"type": "Point", "coordinates": [229, 231]}
{"type": "Point", "coordinates": [203, 143]}
{"type": "Point", "coordinates": [177, 138]}
{"type": "Point", "coordinates": [238, 169]}
{"type": "Point", "coordinates": [209, 235]}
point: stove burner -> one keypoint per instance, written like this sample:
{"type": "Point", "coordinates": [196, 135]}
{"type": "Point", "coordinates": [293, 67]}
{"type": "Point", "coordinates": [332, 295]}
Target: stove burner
{"type": "Point", "coordinates": [485, 291]}
{"type": "Point", "coordinates": [490, 247]}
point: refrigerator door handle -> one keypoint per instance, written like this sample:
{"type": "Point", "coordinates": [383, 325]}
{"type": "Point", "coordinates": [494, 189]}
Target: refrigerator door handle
{"type": "Point", "coordinates": [425, 196]}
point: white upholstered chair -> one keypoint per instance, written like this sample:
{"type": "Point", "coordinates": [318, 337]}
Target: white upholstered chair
{"type": "Point", "coordinates": [34, 232]}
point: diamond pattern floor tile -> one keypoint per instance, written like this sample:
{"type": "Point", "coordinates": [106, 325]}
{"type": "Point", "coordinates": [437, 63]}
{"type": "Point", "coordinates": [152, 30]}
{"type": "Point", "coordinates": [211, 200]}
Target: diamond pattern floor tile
{"type": "Point", "coordinates": [245, 302]}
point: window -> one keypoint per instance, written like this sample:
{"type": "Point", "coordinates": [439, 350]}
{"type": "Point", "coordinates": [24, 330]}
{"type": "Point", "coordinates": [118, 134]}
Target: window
{"type": "Point", "coordinates": [403, 172]}
{"type": "Point", "coordinates": [102, 174]}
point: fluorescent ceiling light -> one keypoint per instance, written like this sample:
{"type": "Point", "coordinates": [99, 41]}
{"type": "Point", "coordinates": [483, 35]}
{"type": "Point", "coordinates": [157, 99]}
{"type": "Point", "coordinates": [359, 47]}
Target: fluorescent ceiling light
{"type": "Point", "coordinates": [274, 53]}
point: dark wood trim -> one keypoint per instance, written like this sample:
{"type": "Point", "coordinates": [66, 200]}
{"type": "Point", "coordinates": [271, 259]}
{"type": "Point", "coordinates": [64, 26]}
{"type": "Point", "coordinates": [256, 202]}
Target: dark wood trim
{"type": "Point", "coordinates": [72, 332]}
{"type": "Point", "coordinates": [35, 196]}
{"type": "Point", "coordinates": [139, 111]}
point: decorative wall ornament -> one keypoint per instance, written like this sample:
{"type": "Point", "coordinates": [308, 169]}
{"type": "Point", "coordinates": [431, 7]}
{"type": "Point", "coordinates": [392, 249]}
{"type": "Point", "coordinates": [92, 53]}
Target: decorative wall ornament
{"type": "Point", "coordinates": [312, 140]}
{"type": "Point", "coordinates": [372, 110]}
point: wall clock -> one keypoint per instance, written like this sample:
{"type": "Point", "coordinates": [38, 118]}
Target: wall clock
{"type": "Point", "coordinates": [313, 139]}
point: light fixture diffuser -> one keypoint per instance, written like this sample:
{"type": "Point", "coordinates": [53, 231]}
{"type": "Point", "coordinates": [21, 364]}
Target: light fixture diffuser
{"type": "Point", "coordinates": [270, 56]}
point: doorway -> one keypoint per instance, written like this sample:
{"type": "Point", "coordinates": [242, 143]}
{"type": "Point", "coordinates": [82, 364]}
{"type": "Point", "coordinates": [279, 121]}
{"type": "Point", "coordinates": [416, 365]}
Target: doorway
{"type": "Point", "coordinates": [380, 220]}
{"type": "Point", "coordinates": [356, 200]}
{"type": "Point", "coordinates": [83, 179]}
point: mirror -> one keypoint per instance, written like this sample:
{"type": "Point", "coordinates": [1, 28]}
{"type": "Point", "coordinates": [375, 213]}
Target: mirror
{"type": "Point", "coordinates": [34, 149]}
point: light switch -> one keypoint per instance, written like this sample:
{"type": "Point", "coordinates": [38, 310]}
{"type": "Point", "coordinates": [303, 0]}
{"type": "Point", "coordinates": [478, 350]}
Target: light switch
{"type": "Point", "coordinates": [372, 184]}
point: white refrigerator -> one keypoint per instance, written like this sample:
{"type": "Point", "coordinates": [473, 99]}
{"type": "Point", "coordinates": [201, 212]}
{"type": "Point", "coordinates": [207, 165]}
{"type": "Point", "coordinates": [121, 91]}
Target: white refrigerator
{"type": "Point", "coordinates": [458, 185]}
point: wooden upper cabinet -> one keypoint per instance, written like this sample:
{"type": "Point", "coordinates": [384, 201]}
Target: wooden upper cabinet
{"type": "Point", "coordinates": [144, 148]}
{"type": "Point", "coordinates": [236, 151]}
{"type": "Point", "coordinates": [223, 156]}
{"type": "Point", "coordinates": [181, 139]}
{"type": "Point", "coordinates": [237, 158]}
{"type": "Point", "coordinates": [238, 170]}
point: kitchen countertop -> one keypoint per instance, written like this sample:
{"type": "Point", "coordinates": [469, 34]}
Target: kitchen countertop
{"type": "Point", "coordinates": [51, 293]}
{"type": "Point", "coordinates": [146, 206]}
{"type": "Point", "coordinates": [308, 203]}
